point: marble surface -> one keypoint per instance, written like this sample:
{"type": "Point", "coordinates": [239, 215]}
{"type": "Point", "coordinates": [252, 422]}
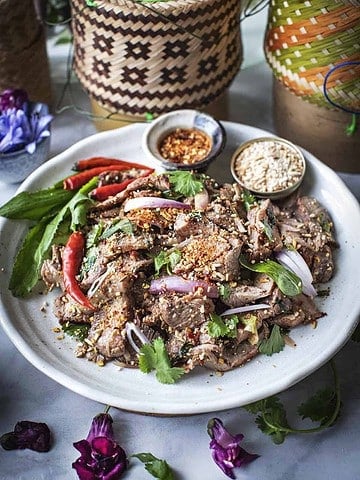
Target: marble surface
{"type": "Point", "coordinates": [27, 394]}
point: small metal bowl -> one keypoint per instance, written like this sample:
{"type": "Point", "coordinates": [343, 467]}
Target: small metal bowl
{"type": "Point", "coordinates": [166, 123]}
{"type": "Point", "coordinates": [269, 167]}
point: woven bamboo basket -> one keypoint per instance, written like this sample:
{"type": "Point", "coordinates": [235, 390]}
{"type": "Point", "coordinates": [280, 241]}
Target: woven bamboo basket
{"type": "Point", "coordinates": [23, 57]}
{"type": "Point", "coordinates": [305, 39]}
{"type": "Point", "coordinates": [313, 47]}
{"type": "Point", "coordinates": [134, 59]}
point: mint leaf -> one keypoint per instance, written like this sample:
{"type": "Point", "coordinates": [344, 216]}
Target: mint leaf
{"type": "Point", "coordinates": [124, 225]}
{"type": "Point", "coordinates": [274, 344]}
{"type": "Point", "coordinates": [154, 357]}
{"type": "Point", "coordinates": [186, 183]}
{"type": "Point", "coordinates": [37, 244]}
{"type": "Point", "coordinates": [156, 467]}
{"type": "Point", "coordinates": [25, 274]}
{"type": "Point", "coordinates": [289, 283]}
{"type": "Point", "coordinates": [35, 205]}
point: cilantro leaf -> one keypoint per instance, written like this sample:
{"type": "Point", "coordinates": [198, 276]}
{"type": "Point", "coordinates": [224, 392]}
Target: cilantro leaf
{"type": "Point", "coordinates": [274, 344]}
{"type": "Point", "coordinates": [248, 199]}
{"type": "Point", "coordinates": [184, 182]}
{"type": "Point", "coordinates": [167, 260]}
{"type": "Point", "coordinates": [319, 407]}
{"type": "Point", "coordinates": [156, 467]}
{"type": "Point", "coordinates": [224, 291]}
{"type": "Point", "coordinates": [323, 407]}
{"type": "Point", "coordinates": [217, 327]}
{"type": "Point", "coordinates": [154, 357]}
{"type": "Point", "coordinates": [272, 419]}
{"type": "Point", "coordinates": [289, 283]}
{"type": "Point", "coordinates": [77, 330]}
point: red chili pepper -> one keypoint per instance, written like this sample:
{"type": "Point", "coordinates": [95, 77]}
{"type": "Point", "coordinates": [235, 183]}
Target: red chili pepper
{"type": "Point", "coordinates": [79, 179]}
{"type": "Point", "coordinates": [93, 162]}
{"type": "Point", "coordinates": [71, 259]}
{"type": "Point", "coordinates": [105, 191]}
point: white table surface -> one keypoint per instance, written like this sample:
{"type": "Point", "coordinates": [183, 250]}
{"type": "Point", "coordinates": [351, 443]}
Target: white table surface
{"type": "Point", "coordinates": [27, 394]}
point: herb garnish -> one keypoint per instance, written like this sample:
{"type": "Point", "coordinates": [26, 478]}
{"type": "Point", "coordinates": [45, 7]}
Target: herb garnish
{"type": "Point", "coordinates": [124, 225]}
{"type": "Point", "coordinates": [156, 467]}
{"type": "Point", "coordinates": [167, 260]}
{"type": "Point", "coordinates": [186, 183]}
{"type": "Point", "coordinates": [77, 330]}
{"type": "Point", "coordinates": [289, 283]}
{"type": "Point", "coordinates": [154, 357]}
{"type": "Point", "coordinates": [248, 199]}
{"type": "Point", "coordinates": [217, 327]}
{"type": "Point", "coordinates": [37, 243]}
{"type": "Point", "coordinates": [323, 407]}
{"type": "Point", "coordinates": [274, 344]}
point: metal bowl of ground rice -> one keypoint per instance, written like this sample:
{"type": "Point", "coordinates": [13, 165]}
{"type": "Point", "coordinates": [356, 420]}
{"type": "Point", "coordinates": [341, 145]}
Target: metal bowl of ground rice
{"type": "Point", "coordinates": [269, 167]}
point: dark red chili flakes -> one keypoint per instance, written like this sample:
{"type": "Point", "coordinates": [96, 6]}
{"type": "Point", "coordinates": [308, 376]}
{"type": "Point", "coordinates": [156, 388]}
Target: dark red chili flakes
{"type": "Point", "coordinates": [185, 145]}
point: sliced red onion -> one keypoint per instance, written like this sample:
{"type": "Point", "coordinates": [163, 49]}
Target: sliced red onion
{"type": "Point", "coordinates": [296, 263]}
{"type": "Point", "coordinates": [131, 329]}
{"type": "Point", "coordinates": [175, 283]}
{"type": "Point", "coordinates": [97, 284]}
{"type": "Point", "coordinates": [153, 202]}
{"type": "Point", "coordinates": [245, 308]}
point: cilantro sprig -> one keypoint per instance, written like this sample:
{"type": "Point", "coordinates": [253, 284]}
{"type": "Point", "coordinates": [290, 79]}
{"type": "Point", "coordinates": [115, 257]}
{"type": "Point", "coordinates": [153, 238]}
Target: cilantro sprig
{"type": "Point", "coordinates": [166, 260]}
{"type": "Point", "coordinates": [154, 357]}
{"type": "Point", "coordinates": [323, 407]}
{"type": "Point", "coordinates": [219, 327]}
{"type": "Point", "coordinates": [184, 182]}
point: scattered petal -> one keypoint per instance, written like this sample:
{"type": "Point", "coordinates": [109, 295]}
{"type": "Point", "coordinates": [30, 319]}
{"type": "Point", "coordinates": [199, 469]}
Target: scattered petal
{"type": "Point", "coordinates": [101, 458]}
{"type": "Point", "coordinates": [33, 435]}
{"type": "Point", "coordinates": [225, 448]}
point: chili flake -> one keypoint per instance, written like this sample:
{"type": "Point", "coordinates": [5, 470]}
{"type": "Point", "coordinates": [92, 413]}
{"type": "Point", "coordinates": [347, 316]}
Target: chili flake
{"type": "Point", "coordinates": [185, 145]}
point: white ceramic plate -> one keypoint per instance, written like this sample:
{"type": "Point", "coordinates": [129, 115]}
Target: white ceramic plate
{"type": "Point", "coordinates": [30, 329]}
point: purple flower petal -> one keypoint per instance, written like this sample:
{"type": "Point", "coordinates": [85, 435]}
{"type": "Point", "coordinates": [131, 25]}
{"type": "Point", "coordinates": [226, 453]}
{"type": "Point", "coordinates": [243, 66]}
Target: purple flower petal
{"type": "Point", "coordinates": [33, 435]}
{"type": "Point", "coordinates": [225, 448]}
{"type": "Point", "coordinates": [101, 458]}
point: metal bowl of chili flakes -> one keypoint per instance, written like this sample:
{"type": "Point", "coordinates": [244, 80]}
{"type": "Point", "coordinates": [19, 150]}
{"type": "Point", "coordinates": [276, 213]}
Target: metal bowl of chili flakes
{"type": "Point", "coordinates": [184, 140]}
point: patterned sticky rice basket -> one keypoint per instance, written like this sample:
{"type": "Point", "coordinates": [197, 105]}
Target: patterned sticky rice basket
{"type": "Point", "coordinates": [135, 58]}
{"type": "Point", "coordinates": [305, 40]}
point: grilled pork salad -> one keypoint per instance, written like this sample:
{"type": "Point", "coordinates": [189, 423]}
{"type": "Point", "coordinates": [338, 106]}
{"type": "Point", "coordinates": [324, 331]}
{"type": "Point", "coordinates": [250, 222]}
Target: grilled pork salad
{"type": "Point", "coordinates": [170, 271]}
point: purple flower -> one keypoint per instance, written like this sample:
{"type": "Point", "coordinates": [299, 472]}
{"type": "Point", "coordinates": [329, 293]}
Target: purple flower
{"type": "Point", "coordinates": [13, 98]}
{"type": "Point", "coordinates": [101, 457]}
{"type": "Point", "coordinates": [23, 124]}
{"type": "Point", "coordinates": [225, 448]}
{"type": "Point", "coordinates": [26, 434]}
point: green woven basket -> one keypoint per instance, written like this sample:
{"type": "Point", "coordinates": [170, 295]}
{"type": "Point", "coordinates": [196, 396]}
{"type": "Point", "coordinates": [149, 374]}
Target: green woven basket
{"type": "Point", "coordinates": [307, 40]}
